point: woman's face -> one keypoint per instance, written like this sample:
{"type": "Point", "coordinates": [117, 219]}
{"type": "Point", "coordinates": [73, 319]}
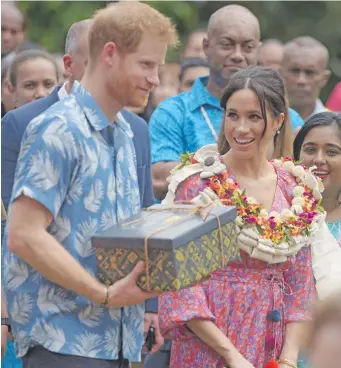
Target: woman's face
{"type": "Point", "coordinates": [326, 347]}
{"type": "Point", "coordinates": [322, 148]}
{"type": "Point", "coordinates": [36, 78]}
{"type": "Point", "coordinates": [244, 125]}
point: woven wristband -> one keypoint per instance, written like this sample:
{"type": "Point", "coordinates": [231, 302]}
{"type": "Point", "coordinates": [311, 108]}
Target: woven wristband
{"type": "Point", "coordinates": [106, 298]}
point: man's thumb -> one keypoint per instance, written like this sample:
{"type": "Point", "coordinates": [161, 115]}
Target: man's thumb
{"type": "Point", "coordinates": [137, 271]}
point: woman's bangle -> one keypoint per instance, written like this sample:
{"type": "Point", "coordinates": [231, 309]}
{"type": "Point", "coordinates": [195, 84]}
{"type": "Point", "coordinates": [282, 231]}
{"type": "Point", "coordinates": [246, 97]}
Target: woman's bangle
{"type": "Point", "coordinates": [287, 362]}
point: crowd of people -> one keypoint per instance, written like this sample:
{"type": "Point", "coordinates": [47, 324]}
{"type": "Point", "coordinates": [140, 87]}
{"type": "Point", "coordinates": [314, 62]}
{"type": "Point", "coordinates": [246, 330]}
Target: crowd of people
{"type": "Point", "coordinates": [92, 136]}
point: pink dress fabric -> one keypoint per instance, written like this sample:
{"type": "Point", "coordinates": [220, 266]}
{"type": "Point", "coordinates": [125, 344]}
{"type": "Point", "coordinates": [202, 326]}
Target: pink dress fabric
{"type": "Point", "coordinates": [334, 100]}
{"type": "Point", "coordinates": [239, 298]}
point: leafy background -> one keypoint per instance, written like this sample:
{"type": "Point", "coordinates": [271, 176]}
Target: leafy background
{"type": "Point", "coordinates": [49, 21]}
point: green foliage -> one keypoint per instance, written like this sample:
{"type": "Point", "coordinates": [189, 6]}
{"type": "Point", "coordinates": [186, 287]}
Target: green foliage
{"type": "Point", "coordinates": [49, 21]}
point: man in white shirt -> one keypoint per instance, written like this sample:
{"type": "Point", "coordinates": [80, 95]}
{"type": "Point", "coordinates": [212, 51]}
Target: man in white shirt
{"type": "Point", "coordinates": [304, 68]}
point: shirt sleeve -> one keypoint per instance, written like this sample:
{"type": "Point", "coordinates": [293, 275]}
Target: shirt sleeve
{"type": "Point", "coordinates": [46, 162]}
{"type": "Point", "coordinates": [295, 118]}
{"type": "Point", "coordinates": [299, 290]}
{"type": "Point", "coordinates": [166, 132]}
{"type": "Point", "coordinates": [177, 308]}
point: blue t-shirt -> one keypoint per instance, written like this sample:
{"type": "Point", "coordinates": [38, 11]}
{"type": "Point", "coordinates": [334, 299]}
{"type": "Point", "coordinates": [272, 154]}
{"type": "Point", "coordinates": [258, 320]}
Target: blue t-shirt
{"type": "Point", "coordinates": [178, 124]}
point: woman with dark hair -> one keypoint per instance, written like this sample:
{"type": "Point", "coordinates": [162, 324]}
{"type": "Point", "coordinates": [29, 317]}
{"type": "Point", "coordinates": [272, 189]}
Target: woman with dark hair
{"type": "Point", "coordinates": [318, 144]}
{"type": "Point", "coordinates": [281, 144]}
{"type": "Point", "coordinates": [33, 74]}
{"type": "Point", "coordinates": [250, 313]}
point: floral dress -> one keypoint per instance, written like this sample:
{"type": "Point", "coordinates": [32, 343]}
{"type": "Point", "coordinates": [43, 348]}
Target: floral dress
{"type": "Point", "coordinates": [249, 300]}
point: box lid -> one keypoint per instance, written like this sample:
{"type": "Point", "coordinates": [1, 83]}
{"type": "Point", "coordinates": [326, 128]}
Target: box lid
{"type": "Point", "coordinates": [176, 228]}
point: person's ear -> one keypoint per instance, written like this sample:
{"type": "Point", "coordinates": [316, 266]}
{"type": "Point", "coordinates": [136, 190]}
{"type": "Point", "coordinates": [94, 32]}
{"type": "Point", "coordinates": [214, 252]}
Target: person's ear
{"type": "Point", "coordinates": [205, 44]}
{"type": "Point", "coordinates": [279, 122]}
{"type": "Point", "coordinates": [325, 77]}
{"type": "Point", "coordinates": [68, 61]}
{"type": "Point", "coordinates": [109, 52]}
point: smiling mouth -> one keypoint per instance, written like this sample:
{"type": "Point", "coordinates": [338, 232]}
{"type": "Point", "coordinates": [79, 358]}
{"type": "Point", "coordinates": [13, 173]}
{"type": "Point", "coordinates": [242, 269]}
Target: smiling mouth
{"type": "Point", "coordinates": [243, 142]}
{"type": "Point", "coordinates": [321, 174]}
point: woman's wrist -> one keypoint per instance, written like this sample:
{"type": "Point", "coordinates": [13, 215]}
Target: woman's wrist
{"type": "Point", "coordinates": [230, 355]}
{"type": "Point", "coordinates": [290, 353]}
{"type": "Point", "coordinates": [288, 363]}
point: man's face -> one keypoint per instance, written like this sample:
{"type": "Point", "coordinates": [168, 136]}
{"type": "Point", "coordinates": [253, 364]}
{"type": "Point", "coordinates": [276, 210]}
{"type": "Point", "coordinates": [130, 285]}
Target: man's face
{"type": "Point", "coordinates": [232, 46]}
{"type": "Point", "coordinates": [12, 33]}
{"type": "Point", "coordinates": [138, 72]}
{"type": "Point", "coordinates": [190, 75]}
{"type": "Point", "coordinates": [35, 79]}
{"type": "Point", "coordinates": [270, 56]}
{"type": "Point", "coordinates": [195, 46]}
{"type": "Point", "coordinates": [305, 75]}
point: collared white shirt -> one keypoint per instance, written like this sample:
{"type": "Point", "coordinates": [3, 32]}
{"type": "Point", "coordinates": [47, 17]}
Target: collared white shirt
{"type": "Point", "coordinates": [62, 93]}
{"type": "Point", "coordinates": [319, 107]}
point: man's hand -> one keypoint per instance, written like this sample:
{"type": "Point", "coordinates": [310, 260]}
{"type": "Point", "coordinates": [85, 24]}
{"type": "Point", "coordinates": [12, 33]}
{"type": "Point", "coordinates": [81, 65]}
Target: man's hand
{"type": "Point", "coordinates": [125, 292]}
{"type": "Point", "coordinates": [152, 320]}
{"type": "Point", "coordinates": [4, 333]}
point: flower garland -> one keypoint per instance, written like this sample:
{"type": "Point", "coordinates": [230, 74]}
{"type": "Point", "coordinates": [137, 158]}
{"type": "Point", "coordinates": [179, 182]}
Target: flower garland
{"type": "Point", "coordinates": [269, 237]}
{"type": "Point", "coordinates": [282, 227]}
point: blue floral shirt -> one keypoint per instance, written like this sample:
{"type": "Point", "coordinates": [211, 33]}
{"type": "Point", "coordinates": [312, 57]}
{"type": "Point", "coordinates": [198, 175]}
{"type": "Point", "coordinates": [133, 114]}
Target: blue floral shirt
{"type": "Point", "coordinates": [178, 124]}
{"type": "Point", "coordinates": [88, 185]}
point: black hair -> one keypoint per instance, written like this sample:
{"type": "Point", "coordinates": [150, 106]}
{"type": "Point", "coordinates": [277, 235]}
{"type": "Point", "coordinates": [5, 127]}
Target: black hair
{"type": "Point", "coordinates": [26, 55]}
{"type": "Point", "coordinates": [191, 63]}
{"type": "Point", "coordinates": [267, 84]}
{"type": "Point", "coordinates": [321, 119]}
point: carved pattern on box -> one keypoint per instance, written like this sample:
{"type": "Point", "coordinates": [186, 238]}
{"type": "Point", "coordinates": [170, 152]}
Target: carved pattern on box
{"type": "Point", "coordinates": [182, 268]}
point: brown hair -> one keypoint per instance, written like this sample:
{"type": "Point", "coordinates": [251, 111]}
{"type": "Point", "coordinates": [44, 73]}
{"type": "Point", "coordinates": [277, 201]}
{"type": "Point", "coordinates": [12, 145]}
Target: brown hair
{"type": "Point", "coordinates": [283, 141]}
{"type": "Point", "coordinates": [325, 312]}
{"type": "Point", "coordinates": [268, 85]}
{"type": "Point", "coordinates": [27, 55]}
{"type": "Point", "coordinates": [125, 23]}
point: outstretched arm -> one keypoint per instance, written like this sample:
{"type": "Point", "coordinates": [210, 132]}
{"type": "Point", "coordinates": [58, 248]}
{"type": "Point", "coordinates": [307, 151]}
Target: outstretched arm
{"type": "Point", "coordinates": [212, 336]}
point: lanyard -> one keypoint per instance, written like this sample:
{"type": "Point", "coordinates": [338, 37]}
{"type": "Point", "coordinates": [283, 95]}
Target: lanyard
{"type": "Point", "coordinates": [209, 123]}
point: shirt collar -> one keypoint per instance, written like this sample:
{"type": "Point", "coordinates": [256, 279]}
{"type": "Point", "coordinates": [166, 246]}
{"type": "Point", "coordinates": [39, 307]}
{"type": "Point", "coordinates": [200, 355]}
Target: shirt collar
{"type": "Point", "coordinates": [62, 92]}
{"type": "Point", "coordinates": [201, 96]}
{"type": "Point", "coordinates": [92, 111]}
{"type": "Point", "coordinates": [319, 107]}
{"type": "Point", "coordinates": [122, 122]}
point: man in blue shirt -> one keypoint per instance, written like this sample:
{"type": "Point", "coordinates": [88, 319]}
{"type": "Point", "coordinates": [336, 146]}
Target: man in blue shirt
{"type": "Point", "coordinates": [72, 183]}
{"type": "Point", "coordinates": [193, 119]}
{"type": "Point", "coordinates": [13, 126]}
